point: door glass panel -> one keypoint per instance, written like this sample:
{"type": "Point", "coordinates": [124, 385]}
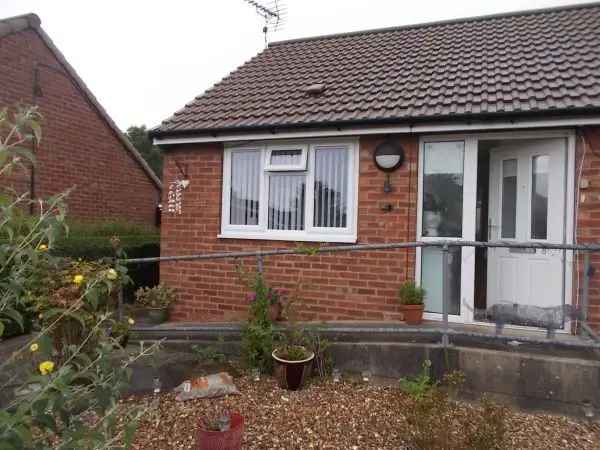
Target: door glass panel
{"type": "Point", "coordinates": [509, 198]}
{"type": "Point", "coordinates": [245, 187]}
{"type": "Point", "coordinates": [539, 197]}
{"type": "Point", "coordinates": [431, 279]}
{"type": "Point", "coordinates": [286, 202]}
{"type": "Point", "coordinates": [443, 189]}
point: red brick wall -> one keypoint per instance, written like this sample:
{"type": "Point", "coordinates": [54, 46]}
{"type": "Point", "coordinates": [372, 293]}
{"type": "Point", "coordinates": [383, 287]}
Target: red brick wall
{"type": "Point", "coordinates": [78, 147]}
{"type": "Point", "coordinates": [357, 285]}
{"type": "Point", "coordinates": [588, 222]}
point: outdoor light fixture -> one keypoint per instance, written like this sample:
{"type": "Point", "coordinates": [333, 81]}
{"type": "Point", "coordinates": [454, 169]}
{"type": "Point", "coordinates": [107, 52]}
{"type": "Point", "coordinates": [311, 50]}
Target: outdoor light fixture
{"type": "Point", "coordinates": [388, 157]}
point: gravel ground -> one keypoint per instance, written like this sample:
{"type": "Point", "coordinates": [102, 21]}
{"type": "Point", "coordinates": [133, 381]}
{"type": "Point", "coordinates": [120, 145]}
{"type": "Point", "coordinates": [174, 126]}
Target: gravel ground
{"type": "Point", "coordinates": [334, 416]}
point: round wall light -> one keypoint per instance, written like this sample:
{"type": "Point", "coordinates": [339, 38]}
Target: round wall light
{"type": "Point", "coordinates": [388, 157]}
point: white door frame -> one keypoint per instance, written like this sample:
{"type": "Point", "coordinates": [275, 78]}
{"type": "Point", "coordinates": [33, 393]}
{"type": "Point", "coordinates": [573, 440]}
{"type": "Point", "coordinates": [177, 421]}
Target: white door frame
{"type": "Point", "coordinates": [470, 203]}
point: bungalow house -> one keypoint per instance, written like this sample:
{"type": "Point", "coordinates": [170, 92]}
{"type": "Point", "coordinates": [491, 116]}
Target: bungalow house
{"type": "Point", "coordinates": [491, 126]}
{"type": "Point", "coordinates": [81, 146]}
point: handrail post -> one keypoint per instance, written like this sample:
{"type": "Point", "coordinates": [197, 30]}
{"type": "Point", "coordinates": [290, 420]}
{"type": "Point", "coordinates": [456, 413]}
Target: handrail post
{"type": "Point", "coordinates": [445, 293]}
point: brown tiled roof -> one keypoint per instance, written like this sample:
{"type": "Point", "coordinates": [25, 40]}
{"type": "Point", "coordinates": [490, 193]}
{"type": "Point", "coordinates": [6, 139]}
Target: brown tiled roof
{"type": "Point", "coordinates": [532, 62]}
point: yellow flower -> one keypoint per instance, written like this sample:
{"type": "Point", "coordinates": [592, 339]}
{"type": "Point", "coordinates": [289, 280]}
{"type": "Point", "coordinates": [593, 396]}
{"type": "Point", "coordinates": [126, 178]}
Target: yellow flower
{"type": "Point", "coordinates": [130, 321]}
{"type": "Point", "coordinates": [78, 279]}
{"type": "Point", "coordinates": [46, 367]}
{"type": "Point", "coordinates": [111, 274]}
{"type": "Point", "coordinates": [34, 347]}
{"type": "Point", "coordinates": [40, 316]}
{"type": "Point", "coordinates": [43, 248]}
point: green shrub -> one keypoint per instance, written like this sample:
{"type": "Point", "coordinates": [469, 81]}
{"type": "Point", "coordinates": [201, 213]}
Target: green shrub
{"type": "Point", "coordinates": [411, 294]}
{"type": "Point", "coordinates": [92, 241]}
{"type": "Point", "coordinates": [420, 385]}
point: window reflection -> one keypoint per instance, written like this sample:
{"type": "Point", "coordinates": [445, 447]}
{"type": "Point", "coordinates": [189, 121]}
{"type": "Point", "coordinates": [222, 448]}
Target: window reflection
{"type": "Point", "coordinates": [539, 197]}
{"type": "Point", "coordinates": [443, 189]}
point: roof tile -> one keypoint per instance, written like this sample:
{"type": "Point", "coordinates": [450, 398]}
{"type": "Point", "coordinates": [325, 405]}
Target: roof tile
{"type": "Point", "coordinates": [534, 61]}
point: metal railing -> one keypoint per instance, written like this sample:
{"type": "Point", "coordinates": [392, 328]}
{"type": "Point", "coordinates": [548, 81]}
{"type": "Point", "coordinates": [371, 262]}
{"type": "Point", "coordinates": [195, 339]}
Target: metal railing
{"type": "Point", "coordinates": [579, 313]}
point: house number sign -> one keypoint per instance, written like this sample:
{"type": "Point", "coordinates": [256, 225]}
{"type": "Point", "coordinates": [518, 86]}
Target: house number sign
{"type": "Point", "coordinates": [175, 195]}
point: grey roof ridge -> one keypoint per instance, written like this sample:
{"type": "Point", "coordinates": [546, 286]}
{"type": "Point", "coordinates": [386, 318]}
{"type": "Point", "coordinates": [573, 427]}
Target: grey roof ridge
{"type": "Point", "coordinates": [516, 13]}
{"type": "Point", "coordinates": [31, 20]}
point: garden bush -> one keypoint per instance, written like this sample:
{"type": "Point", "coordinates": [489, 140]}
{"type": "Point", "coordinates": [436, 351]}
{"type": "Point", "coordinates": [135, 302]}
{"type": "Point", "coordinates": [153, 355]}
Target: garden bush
{"type": "Point", "coordinates": [92, 241]}
{"type": "Point", "coordinates": [68, 384]}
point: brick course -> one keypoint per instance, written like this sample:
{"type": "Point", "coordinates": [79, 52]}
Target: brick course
{"type": "Point", "coordinates": [358, 285]}
{"type": "Point", "coordinates": [79, 149]}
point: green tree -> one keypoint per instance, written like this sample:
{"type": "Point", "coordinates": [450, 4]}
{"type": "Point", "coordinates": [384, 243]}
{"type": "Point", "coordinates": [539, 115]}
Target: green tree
{"type": "Point", "coordinates": [138, 135]}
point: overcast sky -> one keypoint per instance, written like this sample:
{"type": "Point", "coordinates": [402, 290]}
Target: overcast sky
{"type": "Point", "coordinates": [144, 59]}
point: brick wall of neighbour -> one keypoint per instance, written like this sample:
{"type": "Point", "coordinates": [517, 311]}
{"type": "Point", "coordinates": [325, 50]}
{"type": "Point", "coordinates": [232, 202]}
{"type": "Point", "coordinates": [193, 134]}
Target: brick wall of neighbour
{"type": "Point", "coordinates": [343, 286]}
{"type": "Point", "coordinates": [79, 149]}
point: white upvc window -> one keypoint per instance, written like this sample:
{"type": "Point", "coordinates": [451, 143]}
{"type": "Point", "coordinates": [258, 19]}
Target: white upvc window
{"type": "Point", "coordinates": [305, 191]}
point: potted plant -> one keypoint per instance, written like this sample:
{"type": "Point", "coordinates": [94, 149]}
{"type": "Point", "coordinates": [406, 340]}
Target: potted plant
{"type": "Point", "coordinates": [411, 297]}
{"type": "Point", "coordinates": [293, 360]}
{"type": "Point", "coordinates": [119, 331]}
{"type": "Point", "coordinates": [156, 300]}
{"type": "Point", "coordinates": [220, 431]}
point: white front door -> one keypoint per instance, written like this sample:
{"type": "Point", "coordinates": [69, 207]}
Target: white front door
{"type": "Point", "coordinates": [527, 203]}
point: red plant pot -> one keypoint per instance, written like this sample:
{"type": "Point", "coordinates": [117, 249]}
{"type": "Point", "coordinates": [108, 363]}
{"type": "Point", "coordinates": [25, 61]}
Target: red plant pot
{"type": "Point", "coordinates": [275, 311]}
{"type": "Point", "coordinates": [221, 440]}
{"type": "Point", "coordinates": [413, 314]}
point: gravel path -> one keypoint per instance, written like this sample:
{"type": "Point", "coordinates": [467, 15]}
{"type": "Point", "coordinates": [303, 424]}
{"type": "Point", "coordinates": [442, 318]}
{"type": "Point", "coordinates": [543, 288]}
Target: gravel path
{"type": "Point", "coordinates": [334, 416]}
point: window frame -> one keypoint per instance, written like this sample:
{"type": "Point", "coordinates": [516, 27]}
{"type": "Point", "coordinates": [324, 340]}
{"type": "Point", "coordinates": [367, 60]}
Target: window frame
{"type": "Point", "coordinates": [310, 232]}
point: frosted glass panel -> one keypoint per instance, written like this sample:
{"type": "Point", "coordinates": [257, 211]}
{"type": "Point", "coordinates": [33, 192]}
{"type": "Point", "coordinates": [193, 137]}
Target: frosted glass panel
{"type": "Point", "coordinates": [443, 189]}
{"type": "Point", "coordinates": [245, 186]}
{"type": "Point", "coordinates": [509, 198]}
{"type": "Point", "coordinates": [286, 202]}
{"type": "Point", "coordinates": [331, 188]}
{"type": "Point", "coordinates": [431, 279]}
{"type": "Point", "coordinates": [539, 197]}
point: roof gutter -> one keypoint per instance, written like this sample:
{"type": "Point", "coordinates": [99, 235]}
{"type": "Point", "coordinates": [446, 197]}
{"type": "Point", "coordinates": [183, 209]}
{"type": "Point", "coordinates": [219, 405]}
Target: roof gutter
{"type": "Point", "coordinates": [369, 128]}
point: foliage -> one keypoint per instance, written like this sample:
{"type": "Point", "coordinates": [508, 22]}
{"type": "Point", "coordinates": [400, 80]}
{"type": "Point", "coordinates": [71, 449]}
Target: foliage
{"type": "Point", "coordinates": [307, 250]}
{"type": "Point", "coordinates": [323, 362]}
{"type": "Point", "coordinates": [258, 332]}
{"type": "Point", "coordinates": [158, 297]}
{"type": "Point", "coordinates": [138, 135]}
{"type": "Point", "coordinates": [420, 385]}
{"type": "Point", "coordinates": [91, 241]}
{"type": "Point", "coordinates": [411, 294]}
{"type": "Point", "coordinates": [489, 433]}
{"type": "Point", "coordinates": [437, 425]}
{"type": "Point", "coordinates": [209, 352]}
{"type": "Point", "coordinates": [68, 385]}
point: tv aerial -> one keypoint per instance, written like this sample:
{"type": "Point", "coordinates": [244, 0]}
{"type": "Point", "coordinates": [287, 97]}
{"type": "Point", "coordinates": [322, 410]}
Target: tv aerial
{"type": "Point", "coordinates": [272, 12]}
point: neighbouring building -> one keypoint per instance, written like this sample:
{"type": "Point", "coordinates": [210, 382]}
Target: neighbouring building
{"type": "Point", "coordinates": [81, 146]}
{"type": "Point", "coordinates": [498, 120]}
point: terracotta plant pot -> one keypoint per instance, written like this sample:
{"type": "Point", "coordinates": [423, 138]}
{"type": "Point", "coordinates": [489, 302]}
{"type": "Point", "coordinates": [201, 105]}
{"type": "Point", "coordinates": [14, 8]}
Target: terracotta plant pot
{"type": "Point", "coordinates": [292, 374]}
{"type": "Point", "coordinates": [275, 311]}
{"type": "Point", "coordinates": [157, 315]}
{"type": "Point", "coordinates": [221, 440]}
{"type": "Point", "coordinates": [413, 314]}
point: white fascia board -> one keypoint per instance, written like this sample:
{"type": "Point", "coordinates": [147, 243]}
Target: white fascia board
{"type": "Point", "coordinates": [398, 129]}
